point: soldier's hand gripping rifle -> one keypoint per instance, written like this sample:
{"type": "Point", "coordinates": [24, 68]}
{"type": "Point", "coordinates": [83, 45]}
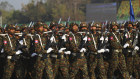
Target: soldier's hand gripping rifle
{"type": "Point", "coordinates": [20, 47]}
{"type": "Point", "coordinates": [102, 43]}
{"type": "Point", "coordinates": [83, 44]}
{"type": "Point", "coordinates": [136, 48]}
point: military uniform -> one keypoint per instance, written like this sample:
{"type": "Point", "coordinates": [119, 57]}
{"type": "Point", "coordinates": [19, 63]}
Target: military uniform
{"type": "Point", "coordinates": [61, 63]}
{"type": "Point", "coordinates": [78, 59]}
{"type": "Point", "coordinates": [117, 60]}
{"type": "Point", "coordinates": [131, 60]}
{"type": "Point", "coordinates": [43, 60]}
{"type": "Point", "coordinates": [9, 52]}
{"type": "Point", "coordinates": [94, 61]}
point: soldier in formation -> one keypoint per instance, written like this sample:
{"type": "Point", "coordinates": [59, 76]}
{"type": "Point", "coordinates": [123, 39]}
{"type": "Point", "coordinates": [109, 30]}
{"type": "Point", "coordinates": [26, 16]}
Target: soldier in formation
{"type": "Point", "coordinates": [70, 51]}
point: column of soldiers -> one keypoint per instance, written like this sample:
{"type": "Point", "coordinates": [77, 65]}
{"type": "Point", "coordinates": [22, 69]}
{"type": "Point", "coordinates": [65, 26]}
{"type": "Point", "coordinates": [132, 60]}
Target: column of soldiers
{"type": "Point", "coordinates": [71, 51]}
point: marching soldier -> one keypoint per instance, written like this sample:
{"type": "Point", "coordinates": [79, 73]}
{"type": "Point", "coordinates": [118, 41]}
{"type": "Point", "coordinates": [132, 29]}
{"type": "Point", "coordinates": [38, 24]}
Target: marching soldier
{"type": "Point", "coordinates": [61, 63]}
{"type": "Point", "coordinates": [93, 60]}
{"type": "Point", "coordinates": [117, 60]}
{"type": "Point", "coordinates": [130, 46]}
{"type": "Point", "coordinates": [9, 42]}
{"type": "Point", "coordinates": [78, 58]}
{"type": "Point", "coordinates": [42, 56]}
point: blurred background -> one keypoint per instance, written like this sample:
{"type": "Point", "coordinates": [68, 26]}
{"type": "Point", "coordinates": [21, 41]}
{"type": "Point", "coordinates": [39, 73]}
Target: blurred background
{"type": "Point", "coordinates": [25, 11]}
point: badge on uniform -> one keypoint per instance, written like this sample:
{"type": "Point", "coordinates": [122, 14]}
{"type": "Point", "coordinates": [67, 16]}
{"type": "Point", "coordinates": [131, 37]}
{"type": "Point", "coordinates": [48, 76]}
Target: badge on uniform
{"type": "Point", "coordinates": [111, 38]}
{"type": "Point", "coordinates": [36, 41]}
{"type": "Point", "coordinates": [5, 42]}
{"type": "Point", "coordinates": [89, 39]}
{"type": "Point", "coordinates": [126, 35]}
{"type": "Point", "coordinates": [70, 38]}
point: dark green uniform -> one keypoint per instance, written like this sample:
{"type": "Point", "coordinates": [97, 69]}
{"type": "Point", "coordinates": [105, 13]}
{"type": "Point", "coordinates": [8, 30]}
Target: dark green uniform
{"type": "Point", "coordinates": [42, 63]}
{"type": "Point", "coordinates": [132, 61]}
{"type": "Point", "coordinates": [117, 60]}
{"type": "Point", "coordinates": [61, 62]}
{"type": "Point", "coordinates": [78, 59]}
{"type": "Point", "coordinates": [22, 63]}
{"type": "Point", "coordinates": [93, 60]}
{"type": "Point", "coordinates": [9, 52]}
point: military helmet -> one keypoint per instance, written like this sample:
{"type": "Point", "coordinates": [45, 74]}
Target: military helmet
{"type": "Point", "coordinates": [114, 24]}
{"type": "Point", "coordinates": [73, 24]}
{"type": "Point", "coordinates": [98, 25]}
{"type": "Point", "coordinates": [61, 25]}
{"type": "Point", "coordinates": [83, 24]}
{"type": "Point", "coordinates": [37, 25]}
{"type": "Point", "coordinates": [10, 26]}
{"type": "Point", "coordinates": [18, 28]}
{"type": "Point", "coordinates": [45, 26]}
{"type": "Point", "coordinates": [52, 24]}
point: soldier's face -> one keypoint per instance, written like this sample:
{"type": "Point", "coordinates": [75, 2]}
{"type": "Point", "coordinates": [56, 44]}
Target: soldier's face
{"type": "Point", "coordinates": [12, 31]}
{"type": "Point", "coordinates": [32, 31]}
{"type": "Point", "coordinates": [99, 29]}
{"type": "Point", "coordinates": [17, 31]}
{"type": "Point", "coordinates": [115, 27]}
{"type": "Point", "coordinates": [75, 28]}
{"type": "Point", "coordinates": [135, 27]}
{"type": "Point", "coordinates": [62, 28]}
{"type": "Point", "coordinates": [67, 30]}
{"type": "Point", "coordinates": [45, 30]}
{"type": "Point", "coordinates": [93, 28]}
{"type": "Point", "coordinates": [84, 28]}
{"type": "Point", "coordinates": [130, 27]}
{"type": "Point", "coordinates": [41, 28]}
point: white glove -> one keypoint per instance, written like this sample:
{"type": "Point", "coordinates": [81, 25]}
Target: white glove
{"type": "Point", "coordinates": [101, 51]}
{"type": "Point", "coordinates": [52, 39]}
{"type": "Point", "coordinates": [18, 52]}
{"type": "Point", "coordinates": [102, 38]}
{"type": "Point", "coordinates": [68, 52]}
{"type": "Point", "coordinates": [126, 45]}
{"type": "Point", "coordinates": [61, 50]}
{"type": "Point", "coordinates": [2, 50]}
{"type": "Point", "coordinates": [34, 54]}
{"type": "Point", "coordinates": [136, 48]}
{"type": "Point", "coordinates": [9, 57]}
{"type": "Point", "coordinates": [106, 39]}
{"type": "Point", "coordinates": [49, 50]}
{"type": "Point", "coordinates": [21, 42]}
{"type": "Point", "coordinates": [83, 50]}
{"type": "Point", "coordinates": [106, 50]}
{"type": "Point", "coordinates": [85, 39]}
{"type": "Point", "coordinates": [64, 37]}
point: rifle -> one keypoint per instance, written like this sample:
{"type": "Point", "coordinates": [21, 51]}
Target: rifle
{"type": "Point", "coordinates": [59, 21]}
{"type": "Point", "coordinates": [135, 43]}
{"type": "Point", "coordinates": [67, 23]}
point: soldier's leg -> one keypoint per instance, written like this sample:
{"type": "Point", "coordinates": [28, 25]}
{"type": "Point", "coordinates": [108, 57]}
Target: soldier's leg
{"type": "Point", "coordinates": [8, 69]}
{"type": "Point", "coordinates": [106, 64]}
{"type": "Point", "coordinates": [74, 69]}
{"type": "Point", "coordinates": [56, 66]}
{"type": "Point", "coordinates": [64, 68]}
{"type": "Point", "coordinates": [101, 67]}
{"type": "Point", "coordinates": [48, 69]}
{"type": "Point", "coordinates": [92, 63]}
{"type": "Point", "coordinates": [83, 67]}
{"type": "Point", "coordinates": [136, 66]}
{"type": "Point", "coordinates": [39, 67]}
{"type": "Point", "coordinates": [129, 63]}
{"type": "Point", "coordinates": [113, 64]}
{"type": "Point", "coordinates": [122, 67]}
{"type": "Point", "coordinates": [19, 70]}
